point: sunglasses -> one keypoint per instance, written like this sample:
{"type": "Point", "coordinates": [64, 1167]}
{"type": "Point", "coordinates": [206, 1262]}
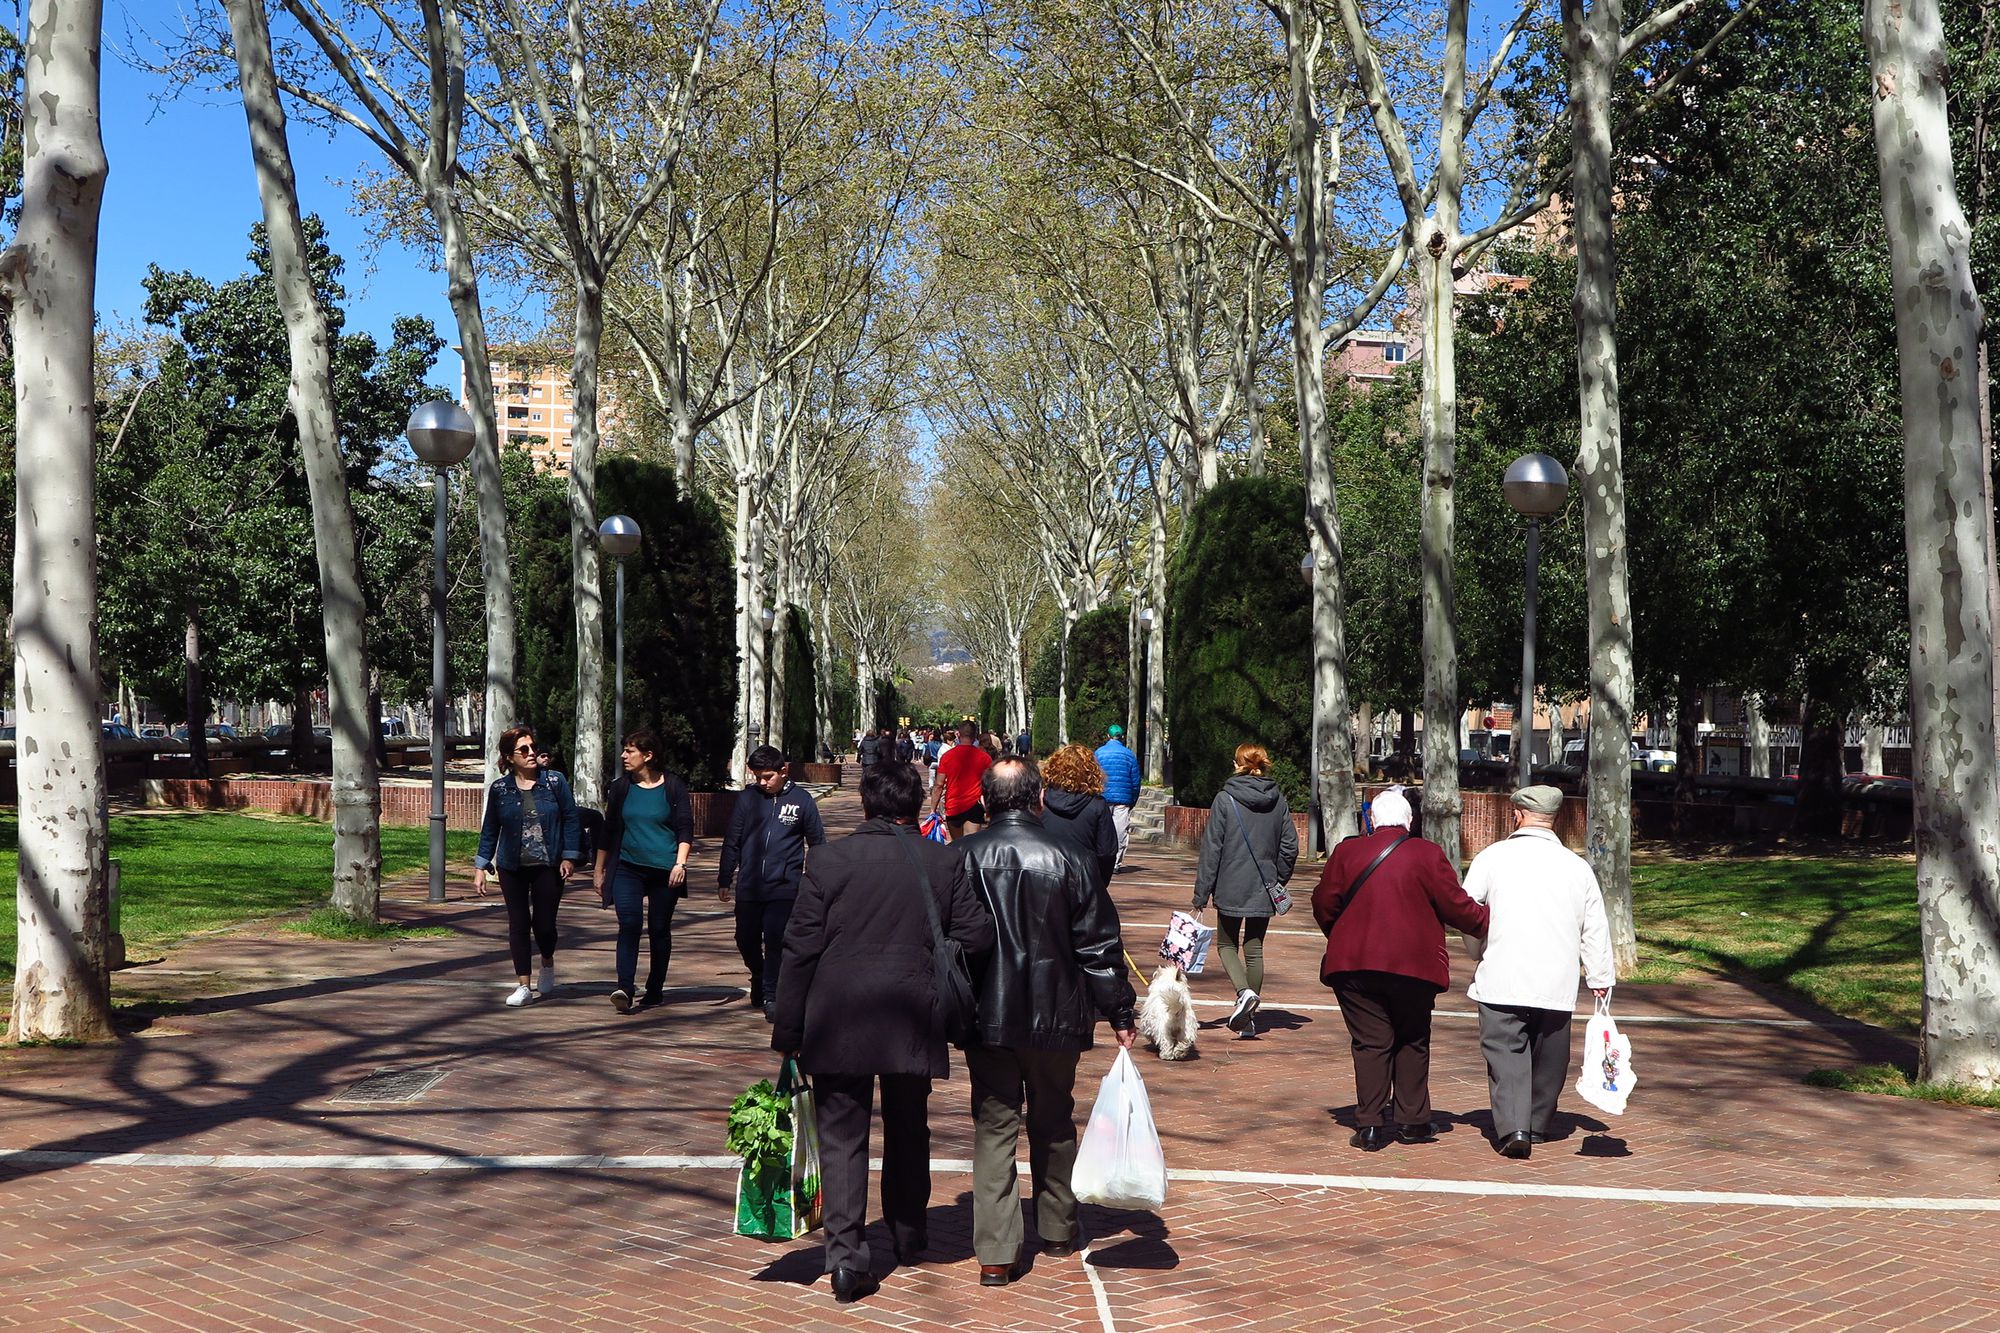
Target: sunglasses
{"type": "Point", "coordinates": [524, 749]}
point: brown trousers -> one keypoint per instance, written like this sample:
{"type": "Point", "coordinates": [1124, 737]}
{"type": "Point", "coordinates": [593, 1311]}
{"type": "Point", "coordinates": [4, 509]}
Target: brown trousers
{"type": "Point", "coordinates": [1389, 1019]}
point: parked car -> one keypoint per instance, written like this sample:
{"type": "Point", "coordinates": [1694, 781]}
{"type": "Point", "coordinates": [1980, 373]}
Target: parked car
{"type": "Point", "coordinates": [1576, 755]}
{"type": "Point", "coordinates": [215, 731]}
{"type": "Point", "coordinates": [118, 731]}
{"type": "Point", "coordinates": [153, 731]}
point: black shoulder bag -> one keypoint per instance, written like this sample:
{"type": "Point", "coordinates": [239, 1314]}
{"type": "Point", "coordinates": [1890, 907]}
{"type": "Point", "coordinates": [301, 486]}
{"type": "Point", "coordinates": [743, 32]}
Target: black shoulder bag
{"type": "Point", "coordinates": [1373, 866]}
{"type": "Point", "coordinates": [952, 998]}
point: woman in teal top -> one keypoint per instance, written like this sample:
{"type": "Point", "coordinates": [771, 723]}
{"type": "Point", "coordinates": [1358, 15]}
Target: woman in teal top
{"type": "Point", "coordinates": [642, 862]}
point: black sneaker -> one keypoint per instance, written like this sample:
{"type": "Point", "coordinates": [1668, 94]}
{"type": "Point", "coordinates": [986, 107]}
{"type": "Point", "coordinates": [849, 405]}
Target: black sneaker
{"type": "Point", "coordinates": [651, 998]}
{"type": "Point", "coordinates": [771, 1013]}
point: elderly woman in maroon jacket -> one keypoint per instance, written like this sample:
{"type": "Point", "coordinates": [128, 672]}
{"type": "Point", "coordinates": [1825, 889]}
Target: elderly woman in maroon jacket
{"type": "Point", "coordinates": [1384, 901]}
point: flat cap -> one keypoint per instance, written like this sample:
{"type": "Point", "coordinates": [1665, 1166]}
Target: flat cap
{"type": "Point", "coordinates": [1540, 799]}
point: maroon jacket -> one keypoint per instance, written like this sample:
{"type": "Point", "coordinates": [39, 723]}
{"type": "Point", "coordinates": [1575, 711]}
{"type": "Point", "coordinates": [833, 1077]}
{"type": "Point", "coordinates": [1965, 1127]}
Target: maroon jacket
{"type": "Point", "coordinates": [1396, 923]}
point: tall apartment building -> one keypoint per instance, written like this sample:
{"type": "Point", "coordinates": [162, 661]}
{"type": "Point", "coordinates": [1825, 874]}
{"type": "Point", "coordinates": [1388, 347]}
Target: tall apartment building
{"type": "Point", "coordinates": [536, 406]}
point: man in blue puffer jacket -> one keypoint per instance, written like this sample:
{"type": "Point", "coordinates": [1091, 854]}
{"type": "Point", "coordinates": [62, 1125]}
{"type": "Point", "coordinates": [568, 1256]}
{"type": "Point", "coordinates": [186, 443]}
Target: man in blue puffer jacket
{"type": "Point", "coordinates": [1121, 784]}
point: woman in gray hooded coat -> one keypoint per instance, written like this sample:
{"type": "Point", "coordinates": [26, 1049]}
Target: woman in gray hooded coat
{"type": "Point", "coordinates": [1249, 845]}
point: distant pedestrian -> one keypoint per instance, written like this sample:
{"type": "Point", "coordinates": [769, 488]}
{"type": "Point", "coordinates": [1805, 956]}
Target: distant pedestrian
{"type": "Point", "coordinates": [1250, 844]}
{"type": "Point", "coordinates": [642, 864]}
{"type": "Point", "coordinates": [1074, 809]}
{"type": "Point", "coordinates": [1121, 784]}
{"type": "Point", "coordinates": [1384, 901]}
{"type": "Point", "coordinates": [775, 821]}
{"type": "Point", "coordinates": [1547, 923]}
{"type": "Point", "coordinates": [530, 836]}
{"type": "Point", "coordinates": [1057, 967]}
{"type": "Point", "coordinates": [867, 750]}
{"type": "Point", "coordinates": [956, 790]}
{"type": "Point", "coordinates": [1024, 744]}
{"type": "Point", "coordinates": [906, 747]}
{"type": "Point", "coordinates": [855, 1002]}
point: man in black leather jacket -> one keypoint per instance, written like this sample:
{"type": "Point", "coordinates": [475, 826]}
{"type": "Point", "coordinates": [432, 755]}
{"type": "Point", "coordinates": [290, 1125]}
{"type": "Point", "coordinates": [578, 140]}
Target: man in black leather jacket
{"type": "Point", "coordinates": [1057, 968]}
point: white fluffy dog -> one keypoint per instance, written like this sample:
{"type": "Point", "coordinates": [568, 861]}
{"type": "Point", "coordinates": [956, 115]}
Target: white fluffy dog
{"type": "Point", "coordinates": [1166, 1019]}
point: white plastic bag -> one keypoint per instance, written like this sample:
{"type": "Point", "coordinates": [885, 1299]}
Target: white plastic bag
{"type": "Point", "coordinates": [1119, 1163]}
{"type": "Point", "coordinates": [1607, 1078]}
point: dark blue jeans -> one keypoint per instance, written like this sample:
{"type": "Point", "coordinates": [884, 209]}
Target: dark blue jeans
{"type": "Point", "coordinates": [760, 938]}
{"type": "Point", "coordinates": [639, 892]}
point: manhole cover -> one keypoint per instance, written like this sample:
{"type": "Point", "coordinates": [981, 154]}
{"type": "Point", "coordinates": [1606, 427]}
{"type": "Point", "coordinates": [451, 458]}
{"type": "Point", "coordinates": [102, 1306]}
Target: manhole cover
{"type": "Point", "coordinates": [392, 1085]}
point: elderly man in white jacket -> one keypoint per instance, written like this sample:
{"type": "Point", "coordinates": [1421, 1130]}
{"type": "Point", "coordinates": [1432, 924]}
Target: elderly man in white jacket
{"type": "Point", "coordinates": [1548, 923]}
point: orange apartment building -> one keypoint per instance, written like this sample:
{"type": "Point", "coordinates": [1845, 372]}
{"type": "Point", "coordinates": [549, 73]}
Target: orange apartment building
{"type": "Point", "coordinates": [536, 406]}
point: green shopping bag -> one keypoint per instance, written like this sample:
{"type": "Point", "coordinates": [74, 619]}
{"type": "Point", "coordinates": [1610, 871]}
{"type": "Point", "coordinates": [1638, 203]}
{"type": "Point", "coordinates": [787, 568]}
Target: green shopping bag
{"type": "Point", "coordinates": [777, 1132]}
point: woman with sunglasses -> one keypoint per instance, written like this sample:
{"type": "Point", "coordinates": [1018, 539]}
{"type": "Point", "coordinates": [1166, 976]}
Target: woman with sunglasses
{"type": "Point", "coordinates": [531, 837]}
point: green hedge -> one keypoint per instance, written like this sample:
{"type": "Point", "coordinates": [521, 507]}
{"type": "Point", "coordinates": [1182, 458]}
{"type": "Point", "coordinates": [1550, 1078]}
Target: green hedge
{"type": "Point", "coordinates": [1043, 730]}
{"type": "Point", "coordinates": [801, 734]}
{"type": "Point", "coordinates": [1239, 638]}
{"type": "Point", "coordinates": [1099, 666]}
{"type": "Point", "coordinates": [992, 709]}
{"type": "Point", "coordinates": [680, 644]}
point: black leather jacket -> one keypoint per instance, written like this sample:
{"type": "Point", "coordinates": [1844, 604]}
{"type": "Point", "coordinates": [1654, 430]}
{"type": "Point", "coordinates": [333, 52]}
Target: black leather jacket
{"type": "Point", "coordinates": [1057, 965]}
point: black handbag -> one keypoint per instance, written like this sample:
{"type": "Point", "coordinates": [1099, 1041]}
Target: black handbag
{"type": "Point", "coordinates": [953, 1001]}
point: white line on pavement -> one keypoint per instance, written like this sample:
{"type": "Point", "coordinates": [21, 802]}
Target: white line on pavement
{"type": "Point", "coordinates": [963, 1166]}
{"type": "Point", "coordinates": [1097, 1289]}
{"type": "Point", "coordinates": [1692, 1020]}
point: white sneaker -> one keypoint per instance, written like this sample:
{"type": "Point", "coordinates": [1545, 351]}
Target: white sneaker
{"type": "Point", "coordinates": [519, 996]}
{"type": "Point", "coordinates": [1246, 1007]}
{"type": "Point", "coordinates": [547, 983]}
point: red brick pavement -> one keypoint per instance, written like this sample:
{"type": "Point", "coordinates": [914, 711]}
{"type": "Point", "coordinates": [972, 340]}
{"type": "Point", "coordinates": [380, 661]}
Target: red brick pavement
{"type": "Point", "coordinates": [253, 1071]}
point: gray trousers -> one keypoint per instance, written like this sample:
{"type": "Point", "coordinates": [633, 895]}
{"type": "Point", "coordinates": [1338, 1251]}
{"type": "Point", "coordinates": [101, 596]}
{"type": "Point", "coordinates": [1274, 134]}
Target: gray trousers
{"type": "Point", "coordinates": [1004, 1080]}
{"type": "Point", "coordinates": [1527, 1059]}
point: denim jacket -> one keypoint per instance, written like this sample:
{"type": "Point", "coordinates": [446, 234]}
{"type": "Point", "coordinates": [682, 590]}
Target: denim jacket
{"type": "Point", "coordinates": [500, 831]}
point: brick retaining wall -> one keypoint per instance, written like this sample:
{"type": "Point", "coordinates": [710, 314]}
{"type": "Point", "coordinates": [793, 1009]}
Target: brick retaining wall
{"type": "Point", "coordinates": [403, 805]}
{"type": "Point", "coordinates": [1483, 820]}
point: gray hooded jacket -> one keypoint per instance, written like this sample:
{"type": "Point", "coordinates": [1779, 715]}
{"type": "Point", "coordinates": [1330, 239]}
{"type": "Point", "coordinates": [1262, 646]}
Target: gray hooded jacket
{"type": "Point", "coordinates": [1247, 810]}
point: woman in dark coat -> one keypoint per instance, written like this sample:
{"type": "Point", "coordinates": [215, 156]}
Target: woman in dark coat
{"type": "Point", "coordinates": [856, 1002]}
{"type": "Point", "coordinates": [1249, 844]}
{"type": "Point", "coordinates": [1385, 959]}
{"type": "Point", "coordinates": [1074, 808]}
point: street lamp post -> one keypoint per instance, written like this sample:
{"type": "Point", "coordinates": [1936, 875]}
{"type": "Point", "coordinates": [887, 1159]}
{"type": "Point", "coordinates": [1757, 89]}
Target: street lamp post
{"type": "Point", "coordinates": [619, 536]}
{"type": "Point", "coordinates": [1315, 835]}
{"type": "Point", "coordinates": [1537, 488]}
{"type": "Point", "coordinates": [440, 434]}
{"type": "Point", "coordinates": [1145, 718]}
{"type": "Point", "coordinates": [769, 615]}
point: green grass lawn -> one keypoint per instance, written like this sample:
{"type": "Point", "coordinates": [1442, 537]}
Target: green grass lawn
{"type": "Point", "coordinates": [186, 872]}
{"type": "Point", "coordinates": [1840, 931]}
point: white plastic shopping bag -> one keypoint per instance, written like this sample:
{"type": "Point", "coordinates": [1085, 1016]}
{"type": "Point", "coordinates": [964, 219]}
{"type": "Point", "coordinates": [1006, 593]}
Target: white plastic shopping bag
{"type": "Point", "coordinates": [1187, 941]}
{"type": "Point", "coordinates": [1607, 1078]}
{"type": "Point", "coordinates": [1119, 1163]}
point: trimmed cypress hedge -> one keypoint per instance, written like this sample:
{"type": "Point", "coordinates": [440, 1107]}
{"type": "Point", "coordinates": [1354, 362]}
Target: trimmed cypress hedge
{"type": "Point", "coordinates": [1098, 669]}
{"type": "Point", "coordinates": [680, 647]}
{"type": "Point", "coordinates": [1043, 731]}
{"type": "Point", "coordinates": [1239, 638]}
{"type": "Point", "coordinates": [801, 735]}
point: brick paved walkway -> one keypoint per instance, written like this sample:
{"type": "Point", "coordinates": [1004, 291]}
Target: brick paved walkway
{"type": "Point", "coordinates": [1319, 1236]}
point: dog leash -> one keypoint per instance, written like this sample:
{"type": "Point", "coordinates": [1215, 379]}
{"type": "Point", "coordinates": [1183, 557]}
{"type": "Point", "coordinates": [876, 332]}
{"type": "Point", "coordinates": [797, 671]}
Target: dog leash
{"type": "Point", "coordinates": [1131, 963]}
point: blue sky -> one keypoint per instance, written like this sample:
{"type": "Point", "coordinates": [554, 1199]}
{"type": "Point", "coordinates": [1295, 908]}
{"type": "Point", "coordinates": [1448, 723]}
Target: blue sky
{"type": "Point", "coordinates": [182, 195]}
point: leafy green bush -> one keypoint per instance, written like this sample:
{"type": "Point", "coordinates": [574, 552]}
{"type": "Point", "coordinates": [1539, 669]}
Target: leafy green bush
{"type": "Point", "coordinates": [1239, 638]}
{"type": "Point", "coordinates": [1099, 666]}
{"type": "Point", "coordinates": [992, 709]}
{"type": "Point", "coordinates": [680, 643]}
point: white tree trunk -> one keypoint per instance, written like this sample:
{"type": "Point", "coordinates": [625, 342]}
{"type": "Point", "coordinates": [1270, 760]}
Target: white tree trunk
{"type": "Point", "coordinates": [496, 572]}
{"type": "Point", "coordinates": [586, 568]}
{"type": "Point", "coordinates": [1307, 262]}
{"type": "Point", "coordinates": [1592, 43]}
{"type": "Point", "coordinates": [1938, 327]}
{"type": "Point", "coordinates": [357, 796]}
{"type": "Point", "coordinates": [61, 983]}
{"type": "Point", "coordinates": [1757, 733]}
{"type": "Point", "coordinates": [1442, 705]}
{"type": "Point", "coordinates": [1874, 740]}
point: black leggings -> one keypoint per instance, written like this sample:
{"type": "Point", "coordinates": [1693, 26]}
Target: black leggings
{"type": "Point", "coordinates": [533, 893]}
